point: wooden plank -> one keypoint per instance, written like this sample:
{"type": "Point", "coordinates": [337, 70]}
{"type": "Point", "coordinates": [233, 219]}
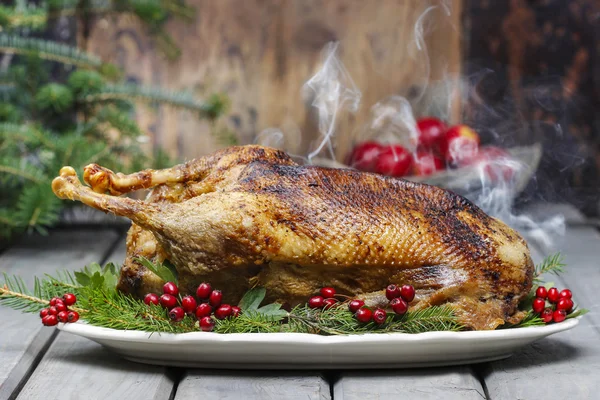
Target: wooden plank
{"type": "Point", "coordinates": [23, 337]}
{"type": "Point", "coordinates": [77, 368]}
{"type": "Point", "coordinates": [93, 372]}
{"type": "Point", "coordinates": [234, 385]}
{"type": "Point", "coordinates": [548, 368]}
{"type": "Point", "coordinates": [430, 383]}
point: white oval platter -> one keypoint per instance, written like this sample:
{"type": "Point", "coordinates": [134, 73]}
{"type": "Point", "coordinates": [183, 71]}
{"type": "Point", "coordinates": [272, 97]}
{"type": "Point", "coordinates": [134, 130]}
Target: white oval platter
{"type": "Point", "coordinates": [308, 351]}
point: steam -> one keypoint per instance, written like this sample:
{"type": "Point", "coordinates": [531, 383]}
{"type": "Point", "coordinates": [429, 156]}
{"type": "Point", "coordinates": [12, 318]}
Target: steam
{"type": "Point", "coordinates": [332, 90]}
{"type": "Point", "coordinates": [498, 191]}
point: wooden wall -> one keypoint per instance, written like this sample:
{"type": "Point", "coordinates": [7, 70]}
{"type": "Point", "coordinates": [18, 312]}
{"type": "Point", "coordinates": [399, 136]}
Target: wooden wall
{"type": "Point", "coordinates": [261, 52]}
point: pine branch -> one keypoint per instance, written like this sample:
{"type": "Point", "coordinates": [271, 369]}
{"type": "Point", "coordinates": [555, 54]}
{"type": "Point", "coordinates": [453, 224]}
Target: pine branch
{"type": "Point", "coordinates": [155, 96]}
{"type": "Point", "coordinates": [48, 50]}
{"type": "Point", "coordinates": [552, 264]}
{"type": "Point", "coordinates": [22, 173]}
{"type": "Point", "coordinates": [24, 133]}
{"type": "Point", "coordinates": [28, 17]}
{"type": "Point", "coordinates": [119, 311]}
{"type": "Point", "coordinates": [436, 318]}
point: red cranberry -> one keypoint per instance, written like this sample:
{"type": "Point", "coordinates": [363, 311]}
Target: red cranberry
{"type": "Point", "coordinates": [170, 288]}
{"type": "Point", "coordinates": [327, 292]}
{"type": "Point", "coordinates": [236, 311]}
{"type": "Point", "coordinates": [559, 315]}
{"type": "Point", "coordinates": [215, 298]}
{"type": "Point", "coordinates": [63, 317]}
{"type": "Point", "coordinates": [207, 324]}
{"type": "Point", "coordinates": [355, 305]}
{"type": "Point", "coordinates": [168, 301]}
{"type": "Point", "coordinates": [538, 305]}
{"type": "Point", "coordinates": [379, 316]}
{"type": "Point", "coordinates": [565, 304]}
{"type": "Point", "coordinates": [188, 303]}
{"type": "Point", "coordinates": [316, 302]}
{"type": "Point", "coordinates": [203, 310]}
{"type": "Point", "coordinates": [54, 300]}
{"type": "Point", "coordinates": [400, 306]}
{"type": "Point", "coordinates": [392, 292]}
{"type": "Point", "coordinates": [50, 320]}
{"type": "Point", "coordinates": [204, 290]}
{"type": "Point", "coordinates": [408, 293]}
{"type": "Point", "coordinates": [553, 295]}
{"type": "Point", "coordinates": [176, 314]}
{"type": "Point", "coordinates": [541, 292]}
{"type": "Point", "coordinates": [60, 306]}
{"type": "Point", "coordinates": [73, 316]}
{"type": "Point", "coordinates": [69, 299]}
{"type": "Point", "coordinates": [364, 315]}
{"type": "Point", "coordinates": [44, 312]}
{"type": "Point", "coordinates": [565, 294]}
{"type": "Point", "coordinates": [546, 315]}
{"type": "Point", "coordinates": [52, 310]}
{"type": "Point", "coordinates": [328, 303]}
{"type": "Point", "coordinates": [224, 311]}
{"type": "Point", "coordinates": [151, 298]}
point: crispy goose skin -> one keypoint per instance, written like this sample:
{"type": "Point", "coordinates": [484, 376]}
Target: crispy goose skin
{"type": "Point", "coordinates": [250, 215]}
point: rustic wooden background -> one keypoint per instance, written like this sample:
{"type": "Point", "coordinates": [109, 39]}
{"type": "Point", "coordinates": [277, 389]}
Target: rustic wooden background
{"type": "Point", "coordinates": [261, 52]}
{"type": "Point", "coordinates": [531, 67]}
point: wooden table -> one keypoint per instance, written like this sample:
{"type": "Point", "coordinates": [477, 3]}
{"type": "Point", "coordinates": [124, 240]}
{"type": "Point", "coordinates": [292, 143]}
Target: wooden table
{"type": "Point", "coordinates": [43, 363]}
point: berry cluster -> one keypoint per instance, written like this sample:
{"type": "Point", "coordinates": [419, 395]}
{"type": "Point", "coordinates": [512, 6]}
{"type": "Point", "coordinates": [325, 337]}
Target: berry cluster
{"type": "Point", "coordinates": [58, 310]}
{"type": "Point", "coordinates": [561, 304]}
{"type": "Point", "coordinates": [325, 300]}
{"type": "Point", "coordinates": [399, 298]}
{"type": "Point", "coordinates": [206, 303]}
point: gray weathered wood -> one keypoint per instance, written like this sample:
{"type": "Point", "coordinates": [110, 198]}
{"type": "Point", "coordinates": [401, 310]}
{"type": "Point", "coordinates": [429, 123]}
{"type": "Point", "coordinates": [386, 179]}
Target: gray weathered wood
{"type": "Point", "coordinates": [234, 385]}
{"type": "Point", "coordinates": [93, 372]}
{"type": "Point", "coordinates": [431, 383]}
{"type": "Point", "coordinates": [23, 338]}
{"type": "Point", "coordinates": [564, 365]}
{"type": "Point", "coordinates": [77, 368]}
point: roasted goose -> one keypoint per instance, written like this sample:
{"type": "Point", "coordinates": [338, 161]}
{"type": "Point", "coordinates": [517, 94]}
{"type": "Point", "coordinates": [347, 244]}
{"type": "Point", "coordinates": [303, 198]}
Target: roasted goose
{"type": "Point", "coordinates": [249, 216]}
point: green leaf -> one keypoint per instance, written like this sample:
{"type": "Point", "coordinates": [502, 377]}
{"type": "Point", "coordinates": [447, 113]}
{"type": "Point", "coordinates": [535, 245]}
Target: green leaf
{"type": "Point", "coordinates": [252, 299]}
{"type": "Point", "coordinates": [577, 313]}
{"type": "Point", "coordinates": [272, 310]}
{"type": "Point", "coordinates": [110, 280]}
{"type": "Point", "coordinates": [163, 271]}
{"type": "Point", "coordinates": [82, 278]}
{"type": "Point", "coordinates": [96, 280]}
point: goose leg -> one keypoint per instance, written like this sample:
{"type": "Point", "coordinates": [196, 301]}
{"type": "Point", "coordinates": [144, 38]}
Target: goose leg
{"type": "Point", "coordinates": [68, 186]}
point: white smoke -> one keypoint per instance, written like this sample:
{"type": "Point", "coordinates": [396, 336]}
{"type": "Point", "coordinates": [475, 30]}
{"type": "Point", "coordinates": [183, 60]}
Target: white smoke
{"type": "Point", "coordinates": [332, 91]}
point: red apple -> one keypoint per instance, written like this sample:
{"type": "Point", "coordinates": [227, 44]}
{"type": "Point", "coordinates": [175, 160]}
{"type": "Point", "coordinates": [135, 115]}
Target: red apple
{"type": "Point", "coordinates": [364, 156]}
{"type": "Point", "coordinates": [426, 163]}
{"type": "Point", "coordinates": [460, 145]}
{"type": "Point", "coordinates": [394, 161]}
{"type": "Point", "coordinates": [431, 131]}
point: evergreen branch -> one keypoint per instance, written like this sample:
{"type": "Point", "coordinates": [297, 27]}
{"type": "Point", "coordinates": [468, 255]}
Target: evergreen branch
{"type": "Point", "coordinates": [25, 133]}
{"type": "Point", "coordinates": [153, 96]}
{"type": "Point", "coordinates": [23, 174]}
{"type": "Point", "coordinates": [118, 311]}
{"type": "Point", "coordinates": [552, 264]}
{"type": "Point", "coordinates": [27, 17]}
{"type": "Point", "coordinates": [435, 318]}
{"type": "Point", "coordinates": [48, 50]}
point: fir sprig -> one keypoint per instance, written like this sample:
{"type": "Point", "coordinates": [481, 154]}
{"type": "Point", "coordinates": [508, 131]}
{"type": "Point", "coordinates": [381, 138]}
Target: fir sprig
{"type": "Point", "coordinates": [550, 265]}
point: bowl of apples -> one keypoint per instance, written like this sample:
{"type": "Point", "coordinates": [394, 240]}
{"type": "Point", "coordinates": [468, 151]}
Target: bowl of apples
{"type": "Point", "coordinates": [450, 157]}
